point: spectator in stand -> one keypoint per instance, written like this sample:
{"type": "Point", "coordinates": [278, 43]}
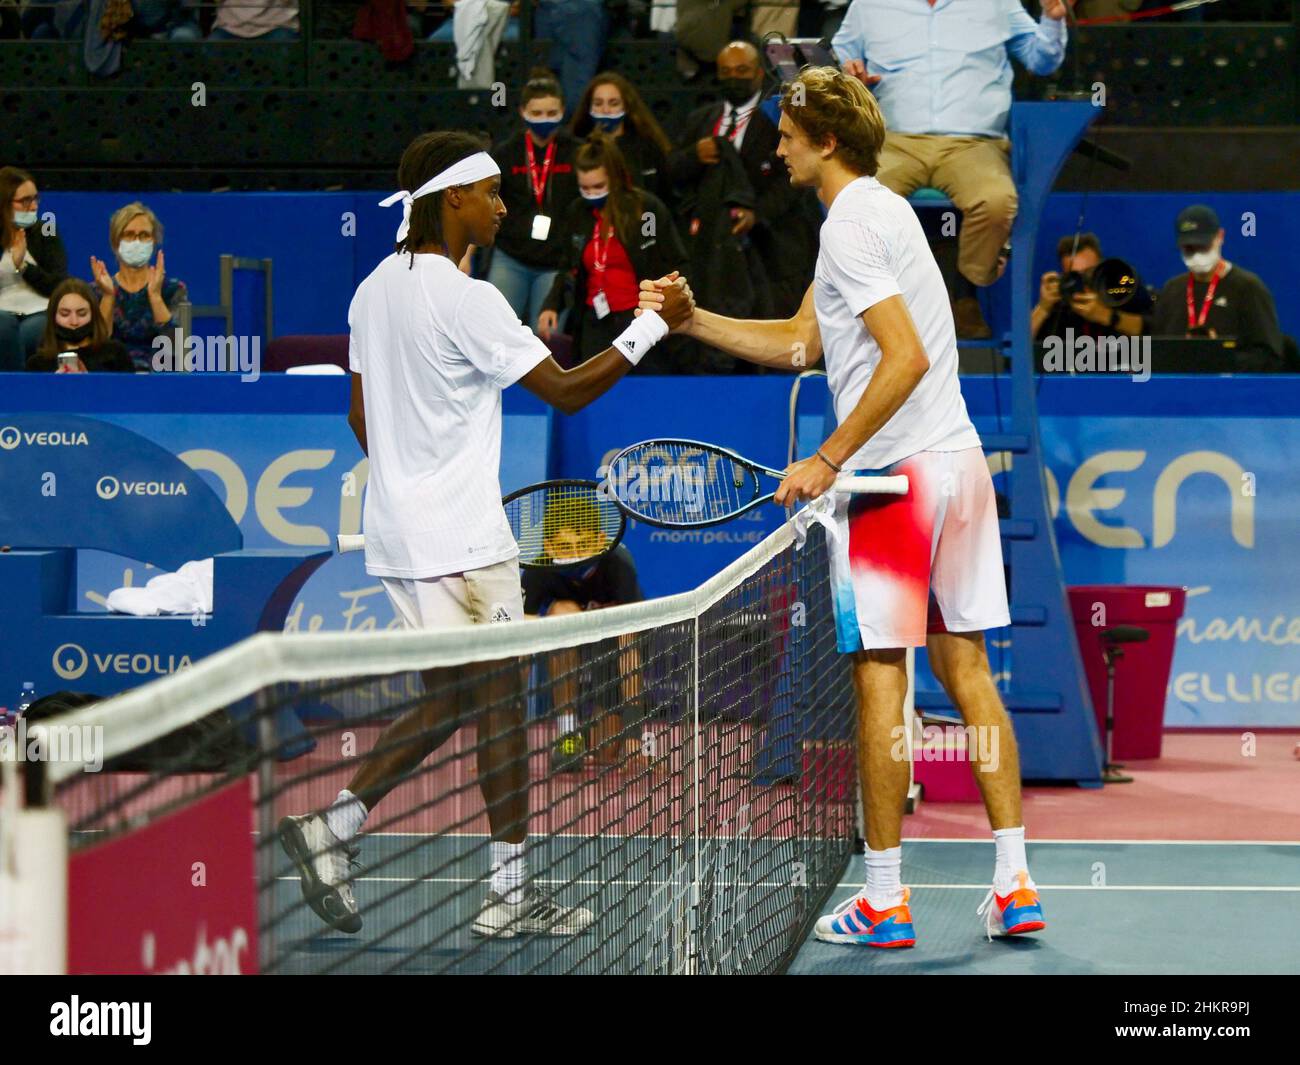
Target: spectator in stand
{"type": "Point", "coordinates": [537, 184]}
{"type": "Point", "coordinates": [265, 20]}
{"type": "Point", "coordinates": [784, 221]}
{"type": "Point", "coordinates": [32, 263]}
{"type": "Point", "coordinates": [1215, 299]}
{"type": "Point", "coordinates": [774, 16]}
{"type": "Point", "coordinates": [611, 104]}
{"type": "Point", "coordinates": [613, 235]}
{"type": "Point", "coordinates": [477, 27]}
{"type": "Point", "coordinates": [167, 20]}
{"type": "Point", "coordinates": [576, 30]}
{"type": "Point", "coordinates": [74, 323]}
{"type": "Point", "coordinates": [942, 74]}
{"type": "Point", "coordinates": [139, 298]}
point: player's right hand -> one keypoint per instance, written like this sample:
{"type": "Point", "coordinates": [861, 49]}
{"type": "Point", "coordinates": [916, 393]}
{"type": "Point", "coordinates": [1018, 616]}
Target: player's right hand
{"type": "Point", "coordinates": [1049, 290]}
{"type": "Point", "coordinates": [706, 151]}
{"type": "Point", "coordinates": [547, 323]}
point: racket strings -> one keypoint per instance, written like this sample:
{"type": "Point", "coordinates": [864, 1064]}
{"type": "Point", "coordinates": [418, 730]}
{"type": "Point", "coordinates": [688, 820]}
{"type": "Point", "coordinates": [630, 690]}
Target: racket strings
{"type": "Point", "coordinates": [570, 522]}
{"type": "Point", "coordinates": [681, 483]}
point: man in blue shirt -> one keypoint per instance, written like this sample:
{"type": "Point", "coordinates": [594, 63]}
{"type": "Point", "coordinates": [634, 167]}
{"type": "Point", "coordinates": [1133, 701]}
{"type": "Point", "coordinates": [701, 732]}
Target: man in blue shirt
{"type": "Point", "coordinates": [941, 72]}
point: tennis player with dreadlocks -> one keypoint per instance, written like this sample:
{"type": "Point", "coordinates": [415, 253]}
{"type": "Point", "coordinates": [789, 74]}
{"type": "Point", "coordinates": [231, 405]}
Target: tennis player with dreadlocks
{"type": "Point", "coordinates": [879, 312]}
{"type": "Point", "coordinates": [431, 351]}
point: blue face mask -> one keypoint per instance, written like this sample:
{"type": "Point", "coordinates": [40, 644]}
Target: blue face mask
{"type": "Point", "coordinates": [24, 219]}
{"type": "Point", "coordinates": [607, 123]}
{"type": "Point", "coordinates": [542, 129]}
{"type": "Point", "coordinates": [595, 201]}
{"type": "Point", "coordinates": [135, 252]}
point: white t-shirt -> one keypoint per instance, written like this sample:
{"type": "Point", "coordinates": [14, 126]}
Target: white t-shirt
{"type": "Point", "coordinates": [873, 247]}
{"type": "Point", "coordinates": [434, 349]}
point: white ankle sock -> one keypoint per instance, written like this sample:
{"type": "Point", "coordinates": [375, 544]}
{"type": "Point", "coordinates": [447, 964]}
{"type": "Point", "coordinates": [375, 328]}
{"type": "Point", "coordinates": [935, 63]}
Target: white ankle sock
{"type": "Point", "coordinates": [884, 888]}
{"type": "Point", "coordinates": [1010, 843]}
{"type": "Point", "coordinates": [346, 816]}
{"type": "Point", "coordinates": [568, 723]}
{"type": "Point", "coordinates": [509, 871]}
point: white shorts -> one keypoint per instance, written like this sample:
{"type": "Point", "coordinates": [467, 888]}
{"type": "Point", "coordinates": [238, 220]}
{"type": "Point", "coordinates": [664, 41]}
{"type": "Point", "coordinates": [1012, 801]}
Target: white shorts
{"type": "Point", "coordinates": [894, 550]}
{"type": "Point", "coordinates": [493, 593]}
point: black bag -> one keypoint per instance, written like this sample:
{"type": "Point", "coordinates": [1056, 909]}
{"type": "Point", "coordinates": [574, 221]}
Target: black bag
{"type": "Point", "coordinates": [210, 745]}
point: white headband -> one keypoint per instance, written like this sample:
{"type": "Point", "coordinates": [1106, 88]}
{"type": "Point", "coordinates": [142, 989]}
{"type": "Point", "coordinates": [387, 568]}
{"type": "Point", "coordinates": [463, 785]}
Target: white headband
{"type": "Point", "coordinates": [472, 168]}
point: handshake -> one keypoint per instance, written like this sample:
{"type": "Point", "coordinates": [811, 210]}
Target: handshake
{"type": "Point", "coordinates": [671, 297]}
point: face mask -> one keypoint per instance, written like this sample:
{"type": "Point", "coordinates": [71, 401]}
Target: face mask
{"type": "Point", "coordinates": [24, 219]}
{"type": "Point", "coordinates": [608, 123]}
{"type": "Point", "coordinates": [736, 90]}
{"type": "Point", "coordinates": [135, 252]}
{"type": "Point", "coordinates": [75, 335]}
{"type": "Point", "coordinates": [541, 129]}
{"type": "Point", "coordinates": [595, 201]}
{"type": "Point", "coordinates": [1202, 262]}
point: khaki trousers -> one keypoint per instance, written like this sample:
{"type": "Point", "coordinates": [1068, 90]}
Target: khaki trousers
{"type": "Point", "coordinates": [975, 173]}
{"type": "Point", "coordinates": [780, 15]}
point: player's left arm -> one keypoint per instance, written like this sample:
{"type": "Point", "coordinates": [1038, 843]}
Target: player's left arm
{"type": "Point", "coordinates": [357, 413]}
{"type": "Point", "coordinates": [903, 362]}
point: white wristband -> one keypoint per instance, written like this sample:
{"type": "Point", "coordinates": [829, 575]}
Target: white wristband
{"type": "Point", "coordinates": [639, 337]}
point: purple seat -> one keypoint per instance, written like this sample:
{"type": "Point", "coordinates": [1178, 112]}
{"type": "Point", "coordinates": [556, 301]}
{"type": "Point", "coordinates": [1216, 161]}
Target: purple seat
{"type": "Point", "coordinates": [284, 352]}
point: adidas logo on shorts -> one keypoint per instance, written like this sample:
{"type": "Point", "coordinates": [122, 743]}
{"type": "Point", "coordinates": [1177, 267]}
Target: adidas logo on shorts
{"type": "Point", "coordinates": [500, 614]}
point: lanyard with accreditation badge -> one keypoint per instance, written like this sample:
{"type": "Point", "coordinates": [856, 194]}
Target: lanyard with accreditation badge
{"type": "Point", "coordinates": [1195, 321]}
{"type": "Point", "coordinates": [541, 222]}
{"type": "Point", "coordinates": [599, 265]}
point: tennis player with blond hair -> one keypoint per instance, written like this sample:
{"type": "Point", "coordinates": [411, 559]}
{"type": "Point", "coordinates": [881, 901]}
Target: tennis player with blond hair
{"type": "Point", "coordinates": [878, 312]}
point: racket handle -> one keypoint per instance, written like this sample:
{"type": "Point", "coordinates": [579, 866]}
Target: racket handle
{"type": "Point", "coordinates": [351, 542]}
{"type": "Point", "coordinates": [894, 486]}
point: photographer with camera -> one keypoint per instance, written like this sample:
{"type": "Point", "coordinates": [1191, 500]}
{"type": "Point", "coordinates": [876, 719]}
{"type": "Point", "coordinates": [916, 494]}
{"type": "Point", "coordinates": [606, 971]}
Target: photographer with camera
{"type": "Point", "coordinates": [1071, 300]}
{"type": "Point", "coordinates": [1214, 299]}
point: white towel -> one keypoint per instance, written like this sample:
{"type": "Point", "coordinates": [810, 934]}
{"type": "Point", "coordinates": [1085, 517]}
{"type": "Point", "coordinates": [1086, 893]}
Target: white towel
{"type": "Point", "coordinates": [187, 591]}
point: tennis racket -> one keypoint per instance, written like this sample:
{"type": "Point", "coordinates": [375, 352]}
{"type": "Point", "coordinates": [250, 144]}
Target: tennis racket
{"type": "Point", "coordinates": [684, 484]}
{"type": "Point", "coordinates": [556, 524]}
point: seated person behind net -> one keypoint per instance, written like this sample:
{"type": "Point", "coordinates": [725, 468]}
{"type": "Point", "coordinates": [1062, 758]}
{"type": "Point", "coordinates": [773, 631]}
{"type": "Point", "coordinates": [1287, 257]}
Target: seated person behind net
{"type": "Point", "coordinates": [1214, 298]}
{"type": "Point", "coordinates": [73, 323]}
{"type": "Point", "coordinates": [609, 580]}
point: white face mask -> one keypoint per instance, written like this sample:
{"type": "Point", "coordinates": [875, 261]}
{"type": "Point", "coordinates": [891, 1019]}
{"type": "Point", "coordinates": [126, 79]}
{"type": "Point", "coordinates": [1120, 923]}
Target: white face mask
{"type": "Point", "coordinates": [1202, 262]}
{"type": "Point", "coordinates": [135, 252]}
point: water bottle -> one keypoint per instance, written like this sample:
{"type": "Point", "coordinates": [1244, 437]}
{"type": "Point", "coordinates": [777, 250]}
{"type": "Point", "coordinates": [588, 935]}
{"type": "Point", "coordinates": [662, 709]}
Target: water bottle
{"type": "Point", "coordinates": [25, 699]}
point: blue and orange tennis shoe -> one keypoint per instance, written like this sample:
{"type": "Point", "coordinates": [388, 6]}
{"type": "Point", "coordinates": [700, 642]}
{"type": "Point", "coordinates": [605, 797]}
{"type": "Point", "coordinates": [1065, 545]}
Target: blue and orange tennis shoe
{"type": "Point", "coordinates": [856, 921]}
{"type": "Point", "coordinates": [1014, 913]}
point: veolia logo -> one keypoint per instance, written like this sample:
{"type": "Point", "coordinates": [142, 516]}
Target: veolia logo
{"type": "Point", "coordinates": [11, 436]}
{"type": "Point", "coordinates": [70, 661]}
{"type": "Point", "coordinates": [108, 487]}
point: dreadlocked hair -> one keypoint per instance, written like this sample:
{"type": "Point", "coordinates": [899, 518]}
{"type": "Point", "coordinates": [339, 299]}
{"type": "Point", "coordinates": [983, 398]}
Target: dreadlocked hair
{"type": "Point", "coordinates": [427, 155]}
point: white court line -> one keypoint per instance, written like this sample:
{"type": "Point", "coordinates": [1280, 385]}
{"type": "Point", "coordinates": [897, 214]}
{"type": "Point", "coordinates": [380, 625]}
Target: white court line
{"type": "Point", "coordinates": [839, 887]}
{"type": "Point", "coordinates": [1154, 842]}
{"type": "Point", "coordinates": [1032, 840]}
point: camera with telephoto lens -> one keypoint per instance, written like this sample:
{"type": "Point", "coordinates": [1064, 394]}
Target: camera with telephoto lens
{"type": "Point", "coordinates": [1114, 281]}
